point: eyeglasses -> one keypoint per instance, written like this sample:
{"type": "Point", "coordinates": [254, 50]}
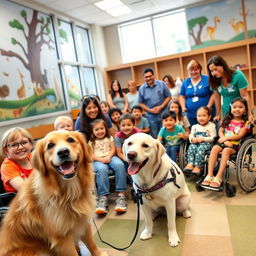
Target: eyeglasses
{"type": "Point", "coordinates": [16, 145]}
{"type": "Point", "coordinates": [89, 96]}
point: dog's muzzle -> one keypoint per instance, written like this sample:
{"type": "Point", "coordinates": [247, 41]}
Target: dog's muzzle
{"type": "Point", "coordinates": [134, 167]}
{"type": "Point", "coordinates": [66, 168]}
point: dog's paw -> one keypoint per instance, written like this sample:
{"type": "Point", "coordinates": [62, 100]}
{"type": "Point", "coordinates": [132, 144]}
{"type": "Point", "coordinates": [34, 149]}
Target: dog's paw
{"type": "Point", "coordinates": [104, 254]}
{"type": "Point", "coordinates": [145, 234]}
{"type": "Point", "coordinates": [174, 239]}
{"type": "Point", "coordinates": [186, 214]}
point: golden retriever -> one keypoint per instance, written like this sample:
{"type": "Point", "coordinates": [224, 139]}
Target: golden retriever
{"type": "Point", "coordinates": [160, 181]}
{"type": "Point", "coordinates": [54, 208]}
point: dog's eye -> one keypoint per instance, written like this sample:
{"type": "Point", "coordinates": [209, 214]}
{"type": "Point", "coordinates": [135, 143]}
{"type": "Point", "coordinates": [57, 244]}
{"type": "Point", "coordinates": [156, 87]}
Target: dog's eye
{"type": "Point", "coordinates": [50, 145]}
{"type": "Point", "coordinates": [129, 143]}
{"type": "Point", "coordinates": [71, 140]}
{"type": "Point", "coordinates": [144, 145]}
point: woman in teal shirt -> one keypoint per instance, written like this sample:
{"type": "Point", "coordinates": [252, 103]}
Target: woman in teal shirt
{"type": "Point", "coordinates": [228, 83]}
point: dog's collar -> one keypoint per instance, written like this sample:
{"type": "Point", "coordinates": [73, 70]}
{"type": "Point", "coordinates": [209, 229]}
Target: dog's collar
{"type": "Point", "coordinates": [156, 171]}
{"type": "Point", "coordinates": [160, 184]}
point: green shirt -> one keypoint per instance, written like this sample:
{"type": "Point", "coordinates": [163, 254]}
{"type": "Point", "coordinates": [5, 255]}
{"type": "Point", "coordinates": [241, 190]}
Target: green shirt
{"type": "Point", "coordinates": [232, 91]}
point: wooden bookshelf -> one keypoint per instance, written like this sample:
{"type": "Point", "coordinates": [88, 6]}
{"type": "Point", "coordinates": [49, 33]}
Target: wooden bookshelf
{"type": "Point", "coordinates": [241, 53]}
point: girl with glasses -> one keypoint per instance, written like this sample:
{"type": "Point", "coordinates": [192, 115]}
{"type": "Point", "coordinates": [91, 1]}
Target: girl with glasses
{"type": "Point", "coordinates": [16, 146]}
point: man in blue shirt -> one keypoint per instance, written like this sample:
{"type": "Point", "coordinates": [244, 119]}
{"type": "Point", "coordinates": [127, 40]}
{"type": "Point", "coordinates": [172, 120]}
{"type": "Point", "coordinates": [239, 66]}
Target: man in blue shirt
{"type": "Point", "coordinates": [154, 96]}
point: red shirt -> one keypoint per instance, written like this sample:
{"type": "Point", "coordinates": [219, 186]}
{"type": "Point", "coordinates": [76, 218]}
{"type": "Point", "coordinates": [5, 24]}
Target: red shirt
{"type": "Point", "coordinates": [9, 170]}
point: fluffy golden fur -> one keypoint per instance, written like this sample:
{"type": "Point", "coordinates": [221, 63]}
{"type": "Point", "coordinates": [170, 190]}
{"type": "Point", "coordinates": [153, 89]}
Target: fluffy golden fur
{"type": "Point", "coordinates": [54, 208]}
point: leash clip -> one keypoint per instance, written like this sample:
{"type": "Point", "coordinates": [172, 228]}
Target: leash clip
{"type": "Point", "coordinates": [138, 197]}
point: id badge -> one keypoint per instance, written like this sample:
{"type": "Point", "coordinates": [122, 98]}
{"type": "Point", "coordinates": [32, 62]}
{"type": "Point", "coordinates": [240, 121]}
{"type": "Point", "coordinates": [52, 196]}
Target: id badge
{"type": "Point", "coordinates": [230, 89]}
{"type": "Point", "coordinates": [195, 99]}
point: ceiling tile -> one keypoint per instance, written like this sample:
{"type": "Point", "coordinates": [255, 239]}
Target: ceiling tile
{"type": "Point", "coordinates": [86, 11]}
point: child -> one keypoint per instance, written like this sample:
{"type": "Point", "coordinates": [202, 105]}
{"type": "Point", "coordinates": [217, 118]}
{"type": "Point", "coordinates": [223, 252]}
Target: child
{"type": "Point", "coordinates": [104, 107]}
{"type": "Point", "coordinates": [127, 128]}
{"type": "Point", "coordinates": [140, 121]}
{"type": "Point", "coordinates": [233, 128]}
{"type": "Point", "coordinates": [114, 114]}
{"type": "Point", "coordinates": [16, 146]}
{"type": "Point", "coordinates": [63, 123]}
{"type": "Point", "coordinates": [169, 134]}
{"type": "Point", "coordinates": [201, 138]}
{"type": "Point", "coordinates": [103, 159]}
{"type": "Point", "coordinates": [181, 120]}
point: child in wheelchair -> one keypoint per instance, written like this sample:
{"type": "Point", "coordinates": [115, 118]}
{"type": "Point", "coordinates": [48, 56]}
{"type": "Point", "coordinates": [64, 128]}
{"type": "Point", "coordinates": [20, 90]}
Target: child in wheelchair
{"type": "Point", "coordinates": [201, 139]}
{"type": "Point", "coordinates": [233, 128]}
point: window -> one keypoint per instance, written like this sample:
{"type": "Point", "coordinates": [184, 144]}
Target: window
{"type": "Point", "coordinates": [169, 38]}
{"type": "Point", "coordinates": [66, 41]}
{"type": "Point", "coordinates": [84, 48]}
{"type": "Point", "coordinates": [137, 41]}
{"type": "Point", "coordinates": [76, 62]}
{"type": "Point", "coordinates": [153, 37]}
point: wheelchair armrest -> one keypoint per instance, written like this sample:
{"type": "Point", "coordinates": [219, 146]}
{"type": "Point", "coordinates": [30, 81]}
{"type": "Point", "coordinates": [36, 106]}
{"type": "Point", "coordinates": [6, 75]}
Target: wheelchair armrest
{"type": "Point", "coordinates": [6, 198]}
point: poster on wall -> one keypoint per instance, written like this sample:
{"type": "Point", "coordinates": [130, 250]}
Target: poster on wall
{"type": "Point", "coordinates": [220, 22]}
{"type": "Point", "coordinates": [30, 83]}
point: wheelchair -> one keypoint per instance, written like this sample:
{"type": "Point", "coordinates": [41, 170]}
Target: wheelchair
{"type": "Point", "coordinates": [5, 199]}
{"type": "Point", "coordinates": [244, 162]}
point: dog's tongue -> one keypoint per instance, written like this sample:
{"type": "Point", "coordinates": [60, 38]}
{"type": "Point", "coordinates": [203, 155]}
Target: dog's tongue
{"type": "Point", "coordinates": [133, 168]}
{"type": "Point", "coordinates": [67, 168]}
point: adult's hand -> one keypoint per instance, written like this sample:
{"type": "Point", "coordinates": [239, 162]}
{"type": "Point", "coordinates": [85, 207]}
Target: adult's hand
{"type": "Point", "coordinates": [216, 118]}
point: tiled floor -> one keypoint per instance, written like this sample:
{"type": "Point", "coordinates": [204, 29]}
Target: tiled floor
{"type": "Point", "coordinates": [219, 226]}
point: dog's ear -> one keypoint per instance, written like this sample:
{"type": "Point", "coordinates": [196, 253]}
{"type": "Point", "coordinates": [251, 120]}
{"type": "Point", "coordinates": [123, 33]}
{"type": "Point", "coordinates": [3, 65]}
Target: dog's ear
{"type": "Point", "coordinates": [86, 148]}
{"type": "Point", "coordinates": [160, 149]}
{"type": "Point", "coordinates": [38, 156]}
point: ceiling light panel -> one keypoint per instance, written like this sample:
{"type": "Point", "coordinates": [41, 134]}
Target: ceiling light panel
{"type": "Point", "coordinates": [118, 11]}
{"type": "Point", "coordinates": [108, 4]}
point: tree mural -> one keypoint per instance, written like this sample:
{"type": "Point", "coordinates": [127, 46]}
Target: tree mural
{"type": "Point", "coordinates": [200, 21]}
{"type": "Point", "coordinates": [36, 35]}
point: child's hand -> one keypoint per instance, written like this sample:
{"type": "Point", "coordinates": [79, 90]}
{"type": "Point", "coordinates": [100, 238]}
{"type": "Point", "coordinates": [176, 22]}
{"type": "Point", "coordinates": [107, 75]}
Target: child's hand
{"type": "Point", "coordinates": [197, 140]}
{"type": "Point", "coordinates": [105, 160]}
{"type": "Point", "coordinates": [182, 135]}
{"type": "Point", "coordinates": [222, 139]}
{"type": "Point", "coordinates": [228, 144]}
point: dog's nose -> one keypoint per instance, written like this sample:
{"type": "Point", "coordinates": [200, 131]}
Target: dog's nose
{"type": "Point", "coordinates": [63, 153]}
{"type": "Point", "coordinates": [131, 155]}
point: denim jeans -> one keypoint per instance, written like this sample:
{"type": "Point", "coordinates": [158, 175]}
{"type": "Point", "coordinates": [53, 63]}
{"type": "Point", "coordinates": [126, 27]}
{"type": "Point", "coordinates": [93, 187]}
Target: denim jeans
{"type": "Point", "coordinates": [155, 126]}
{"type": "Point", "coordinates": [102, 175]}
{"type": "Point", "coordinates": [172, 151]}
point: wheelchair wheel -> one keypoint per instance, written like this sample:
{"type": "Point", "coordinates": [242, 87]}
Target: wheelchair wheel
{"type": "Point", "coordinates": [3, 211]}
{"type": "Point", "coordinates": [246, 165]}
{"type": "Point", "coordinates": [183, 154]}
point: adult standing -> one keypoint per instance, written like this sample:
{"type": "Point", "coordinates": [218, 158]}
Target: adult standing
{"type": "Point", "coordinates": [227, 83]}
{"type": "Point", "coordinates": [173, 87]}
{"type": "Point", "coordinates": [132, 95]}
{"type": "Point", "coordinates": [154, 96]}
{"type": "Point", "coordinates": [91, 110]}
{"type": "Point", "coordinates": [117, 98]}
{"type": "Point", "coordinates": [195, 91]}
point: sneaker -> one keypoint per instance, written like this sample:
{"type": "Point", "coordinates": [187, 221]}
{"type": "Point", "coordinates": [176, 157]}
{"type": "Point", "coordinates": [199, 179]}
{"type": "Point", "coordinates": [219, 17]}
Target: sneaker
{"type": "Point", "coordinates": [102, 205]}
{"type": "Point", "coordinates": [121, 205]}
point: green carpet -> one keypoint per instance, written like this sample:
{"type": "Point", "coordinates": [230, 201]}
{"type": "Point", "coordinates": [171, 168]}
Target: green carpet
{"type": "Point", "coordinates": [242, 222]}
{"type": "Point", "coordinates": [120, 233]}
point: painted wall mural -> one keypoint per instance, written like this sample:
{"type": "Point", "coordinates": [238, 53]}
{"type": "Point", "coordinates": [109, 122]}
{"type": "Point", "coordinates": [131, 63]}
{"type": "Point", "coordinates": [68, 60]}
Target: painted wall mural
{"type": "Point", "coordinates": [220, 22]}
{"type": "Point", "coordinates": [30, 81]}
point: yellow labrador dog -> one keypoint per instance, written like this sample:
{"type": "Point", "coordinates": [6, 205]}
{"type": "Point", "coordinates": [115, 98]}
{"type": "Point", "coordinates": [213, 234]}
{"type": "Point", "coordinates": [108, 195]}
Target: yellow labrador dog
{"type": "Point", "coordinates": [159, 180]}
